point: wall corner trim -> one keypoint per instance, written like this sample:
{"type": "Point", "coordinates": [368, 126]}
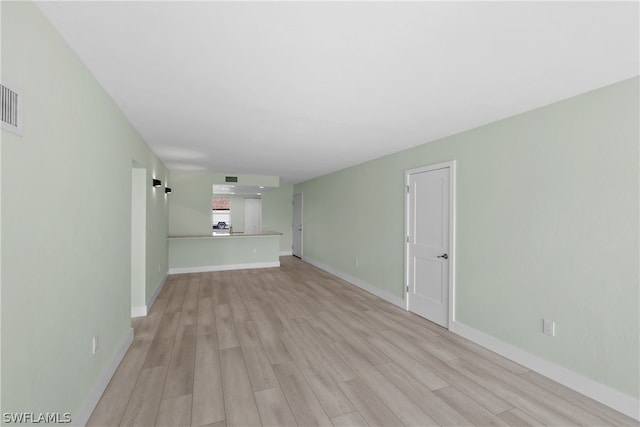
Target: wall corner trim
{"type": "Point", "coordinates": [380, 293]}
{"type": "Point", "coordinates": [81, 416]}
{"type": "Point", "coordinates": [155, 294]}
{"type": "Point", "coordinates": [138, 311]}
{"type": "Point", "coordinates": [142, 310]}
{"type": "Point", "coordinates": [606, 395]}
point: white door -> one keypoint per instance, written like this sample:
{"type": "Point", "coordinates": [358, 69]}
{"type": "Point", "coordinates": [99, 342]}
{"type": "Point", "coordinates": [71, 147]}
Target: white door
{"type": "Point", "coordinates": [429, 241]}
{"type": "Point", "coordinates": [252, 215]}
{"type": "Point", "coordinates": [297, 225]}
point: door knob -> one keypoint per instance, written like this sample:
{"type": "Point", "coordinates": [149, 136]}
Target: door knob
{"type": "Point", "coordinates": [445, 256]}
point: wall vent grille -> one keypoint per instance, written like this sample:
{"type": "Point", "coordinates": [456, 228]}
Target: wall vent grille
{"type": "Point", "coordinates": [11, 115]}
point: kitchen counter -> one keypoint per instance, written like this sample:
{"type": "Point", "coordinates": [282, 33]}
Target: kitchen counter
{"type": "Point", "coordinates": [216, 234]}
{"type": "Point", "coordinates": [223, 251]}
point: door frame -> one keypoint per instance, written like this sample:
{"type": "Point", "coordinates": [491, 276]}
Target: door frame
{"type": "Point", "coordinates": [293, 225]}
{"type": "Point", "coordinates": [451, 165]}
{"type": "Point", "coordinates": [138, 242]}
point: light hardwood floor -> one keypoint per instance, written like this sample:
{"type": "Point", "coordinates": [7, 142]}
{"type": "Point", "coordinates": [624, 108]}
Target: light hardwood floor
{"type": "Point", "coordinates": [296, 346]}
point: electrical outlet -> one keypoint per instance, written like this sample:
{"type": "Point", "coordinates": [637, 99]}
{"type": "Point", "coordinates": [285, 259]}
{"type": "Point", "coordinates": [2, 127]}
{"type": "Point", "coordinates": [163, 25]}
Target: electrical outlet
{"type": "Point", "coordinates": [549, 327]}
{"type": "Point", "coordinates": [94, 345]}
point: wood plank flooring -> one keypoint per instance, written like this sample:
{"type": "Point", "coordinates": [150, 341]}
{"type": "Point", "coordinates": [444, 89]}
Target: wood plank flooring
{"type": "Point", "coordinates": [296, 346]}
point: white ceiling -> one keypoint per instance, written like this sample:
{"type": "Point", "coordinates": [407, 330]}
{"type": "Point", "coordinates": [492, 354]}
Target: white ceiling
{"type": "Point", "coordinates": [300, 89]}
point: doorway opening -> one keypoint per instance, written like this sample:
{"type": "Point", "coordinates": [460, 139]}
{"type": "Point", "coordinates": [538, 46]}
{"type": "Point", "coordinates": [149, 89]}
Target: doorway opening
{"type": "Point", "coordinates": [138, 240]}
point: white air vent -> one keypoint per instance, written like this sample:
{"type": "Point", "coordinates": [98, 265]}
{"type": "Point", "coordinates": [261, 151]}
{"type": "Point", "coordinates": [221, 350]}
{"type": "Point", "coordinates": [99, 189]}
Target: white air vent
{"type": "Point", "coordinates": [11, 102]}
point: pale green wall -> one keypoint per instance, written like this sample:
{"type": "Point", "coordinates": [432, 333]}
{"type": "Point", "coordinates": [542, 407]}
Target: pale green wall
{"type": "Point", "coordinates": [219, 251]}
{"type": "Point", "coordinates": [547, 226]}
{"type": "Point", "coordinates": [277, 214]}
{"type": "Point", "coordinates": [66, 226]}
{"type": "Point", "coordinates": [190, 203]}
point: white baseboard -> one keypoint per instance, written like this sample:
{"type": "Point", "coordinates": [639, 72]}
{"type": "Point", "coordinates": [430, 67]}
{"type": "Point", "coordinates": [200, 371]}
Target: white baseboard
{"type": "Point", "coordinates": [153, 297]}
{"type": "Point", "coordinates": [142, 310]}
{"type": "Point", "coordinates": [286, 253]}
{"type": "Point", "coordinates": [82, 415]}
{"type": "Point", "coordinates": [614, 399]}
{"type": "Point", "coordinates": [359, 283]}
{"type": "Point", "coordinates": [138, 311]}
{"type": "Point", "coordinates": [226, 267]}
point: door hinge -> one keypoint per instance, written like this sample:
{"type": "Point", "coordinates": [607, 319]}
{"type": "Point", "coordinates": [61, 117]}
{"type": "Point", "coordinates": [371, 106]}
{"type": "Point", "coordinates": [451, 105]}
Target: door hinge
{"type": "Point", "coordinates": [408, 189]}
{"type": "Point", "coordinates": [407, 239]}
{"type": "Point", "coordinates": [407, 288]}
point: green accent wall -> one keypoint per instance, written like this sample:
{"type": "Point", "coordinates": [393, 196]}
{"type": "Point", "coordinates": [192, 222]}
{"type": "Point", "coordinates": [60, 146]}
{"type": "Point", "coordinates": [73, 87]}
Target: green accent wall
{"type": "Point", "coordinates": [66, 222]}
{"type": "Point", "coordinates": [547, 227]}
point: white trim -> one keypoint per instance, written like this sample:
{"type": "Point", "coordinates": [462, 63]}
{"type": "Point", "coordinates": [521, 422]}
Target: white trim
{"type": "Point", "coordinates": [224, 267]}
{"type": "Point", "coordinates": [139, 311]}
{"type": "Point", "coordinates": [83, 413]}
{"type": "Point", "coordinates": [451, 165]}
{"type": "Point", "coordinates": [153, 297]}
{"type": "Point", "coordinates": [293, 202]}
{"type": "Point", "coordinates": [286, 253]}
{"type": "Point", "coordinates": [606, 395]}
{"type": "Point", "coordinates": [142, 310]}
{"type": "Point", "coordinates": [359, 283]}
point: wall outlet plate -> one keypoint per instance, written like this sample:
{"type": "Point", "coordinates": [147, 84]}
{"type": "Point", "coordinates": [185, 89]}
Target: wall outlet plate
{"type": "Point", "coordinates": [549, 327]}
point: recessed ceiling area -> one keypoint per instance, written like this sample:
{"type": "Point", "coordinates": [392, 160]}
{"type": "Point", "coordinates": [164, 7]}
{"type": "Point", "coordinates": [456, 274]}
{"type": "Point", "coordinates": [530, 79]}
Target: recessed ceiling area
{"type": "Point", "coordinates": [301, 89]}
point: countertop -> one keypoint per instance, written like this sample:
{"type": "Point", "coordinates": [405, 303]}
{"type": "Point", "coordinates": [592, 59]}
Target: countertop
{"type": "Point", "coordinates": [228, 235]}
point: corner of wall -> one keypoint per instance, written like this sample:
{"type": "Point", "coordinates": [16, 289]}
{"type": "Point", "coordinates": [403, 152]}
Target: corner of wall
{"type": "Point", "coordinates": [83, 413]}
